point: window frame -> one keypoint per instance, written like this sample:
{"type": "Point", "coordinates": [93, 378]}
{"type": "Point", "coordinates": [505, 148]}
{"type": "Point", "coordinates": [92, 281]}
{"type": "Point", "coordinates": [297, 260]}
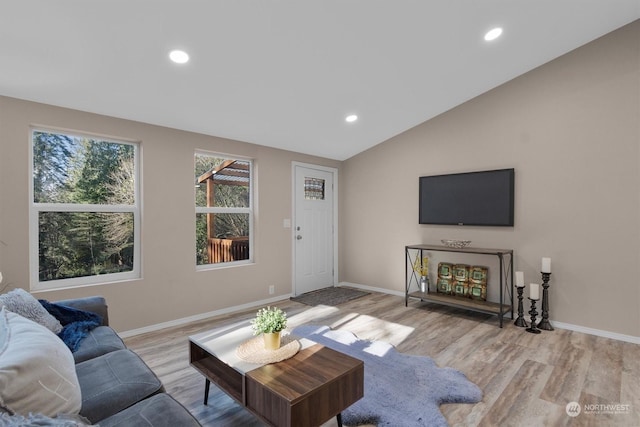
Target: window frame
{"type": "Point", "coordinates": [36, 208]}
{"type": "Point", "coordinates": [226, 210]}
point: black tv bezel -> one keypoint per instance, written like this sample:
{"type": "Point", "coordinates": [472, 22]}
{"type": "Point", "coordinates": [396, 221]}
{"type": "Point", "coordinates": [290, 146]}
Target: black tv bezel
{"type": "Point", "coordinates": [511, 196]}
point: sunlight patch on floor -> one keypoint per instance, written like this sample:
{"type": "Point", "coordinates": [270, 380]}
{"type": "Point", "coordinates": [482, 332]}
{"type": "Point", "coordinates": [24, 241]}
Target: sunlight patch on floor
{"type": "Point", "coordinates": [372, 328]}
{"type": "Point", "coordinates": [312, 315]}
{"type": "Point", "coordinates": [363, 326]}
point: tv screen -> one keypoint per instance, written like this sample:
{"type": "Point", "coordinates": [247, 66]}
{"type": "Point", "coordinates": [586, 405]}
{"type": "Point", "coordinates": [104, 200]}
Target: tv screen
{"type": "Point", "coordinates": [472, 198]}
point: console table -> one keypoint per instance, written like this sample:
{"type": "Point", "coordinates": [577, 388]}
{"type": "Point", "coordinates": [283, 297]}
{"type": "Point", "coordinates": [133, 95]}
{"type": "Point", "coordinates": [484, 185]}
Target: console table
{"type": "Point", "coordinates": [499, 308]}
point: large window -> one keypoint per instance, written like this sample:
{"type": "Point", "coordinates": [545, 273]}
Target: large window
{"type": "Point", "coordinates": [84, 216]}
{"type": "Point", "coordinates": [224, 215]}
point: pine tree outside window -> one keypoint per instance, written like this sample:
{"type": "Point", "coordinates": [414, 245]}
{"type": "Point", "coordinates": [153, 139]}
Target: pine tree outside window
{"type": "Point", "coordinates": [84, 215]}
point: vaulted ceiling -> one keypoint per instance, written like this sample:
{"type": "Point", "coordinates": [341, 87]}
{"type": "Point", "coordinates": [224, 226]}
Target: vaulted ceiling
{"type": "Point", "coordinates": [286, 73]}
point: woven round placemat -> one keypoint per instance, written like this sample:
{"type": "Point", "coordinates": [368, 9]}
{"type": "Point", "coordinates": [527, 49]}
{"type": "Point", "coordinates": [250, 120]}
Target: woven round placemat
{"type": "Point", "coordinates": [253, 351]}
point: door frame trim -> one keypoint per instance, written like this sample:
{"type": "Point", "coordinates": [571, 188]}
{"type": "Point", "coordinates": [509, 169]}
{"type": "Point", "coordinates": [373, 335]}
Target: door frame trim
{"type": "Point", "coordinates": [334, 173]}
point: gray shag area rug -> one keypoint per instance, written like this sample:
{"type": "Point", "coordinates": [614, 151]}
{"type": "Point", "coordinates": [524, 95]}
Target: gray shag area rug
{"type": "Point", "coordinates": [400, 390]}
{"type": "Point", "coordinates": [329, 296]}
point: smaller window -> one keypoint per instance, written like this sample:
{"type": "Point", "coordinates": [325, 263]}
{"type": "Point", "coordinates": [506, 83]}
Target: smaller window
{"type": "Point", "coordinates": [224, 214]}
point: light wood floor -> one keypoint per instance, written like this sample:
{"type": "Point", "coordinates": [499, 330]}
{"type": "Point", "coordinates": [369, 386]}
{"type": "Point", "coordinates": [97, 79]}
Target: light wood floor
{"type": "Point", "coordinates": [527, 379]}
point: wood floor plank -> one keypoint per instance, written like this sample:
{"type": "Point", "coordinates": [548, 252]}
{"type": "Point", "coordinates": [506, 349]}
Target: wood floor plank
{"type": "Point", "coordinates": [516, 405]}
{"type": "Point", "coordinates": [526, 379]}
{"type": "Point", "coordinates": [604, 377]}
{"type": "Point", "coordinates": [571, 367]}
{"type": "Point", "coordinates": [630, 392]}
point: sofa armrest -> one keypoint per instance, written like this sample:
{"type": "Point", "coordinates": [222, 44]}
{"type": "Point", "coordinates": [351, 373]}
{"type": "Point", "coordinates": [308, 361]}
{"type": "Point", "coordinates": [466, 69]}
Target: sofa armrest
{"type": "Point", "coordinates": [96, 304]}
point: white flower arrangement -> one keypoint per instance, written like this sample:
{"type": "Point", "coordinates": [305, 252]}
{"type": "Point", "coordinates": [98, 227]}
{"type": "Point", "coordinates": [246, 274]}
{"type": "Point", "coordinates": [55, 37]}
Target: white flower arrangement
{"type": "Point", "coordinates": [269, 320]}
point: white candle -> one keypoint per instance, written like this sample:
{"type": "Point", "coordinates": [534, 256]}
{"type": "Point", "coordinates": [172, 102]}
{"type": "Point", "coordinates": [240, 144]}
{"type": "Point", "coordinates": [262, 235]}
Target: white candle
{"type": "Point", "coordinates": [519, 279]}
{"type": "Point", "coordinates": [546, 265]}
{"type": "Point", "coordinates": [534, 291]}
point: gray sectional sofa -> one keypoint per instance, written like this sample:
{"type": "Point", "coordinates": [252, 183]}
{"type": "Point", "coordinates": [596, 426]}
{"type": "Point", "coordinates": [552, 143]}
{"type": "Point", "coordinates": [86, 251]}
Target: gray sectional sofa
{"type": "Point", "coordinates": [116, 387]}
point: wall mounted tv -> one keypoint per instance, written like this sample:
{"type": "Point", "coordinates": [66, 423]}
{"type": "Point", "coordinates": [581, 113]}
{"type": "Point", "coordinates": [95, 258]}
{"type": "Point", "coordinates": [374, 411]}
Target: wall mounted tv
{"type": "Point", "coordinates": [472, 198]}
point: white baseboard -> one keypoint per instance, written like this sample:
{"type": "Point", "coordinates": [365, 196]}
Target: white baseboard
{"type": "Point", "coordinates": [559, 325]}
{"type": "Point", "coordinates": [372, 289]}
{"type": "Point", "coordinates": [596, 332]}
{"type": "Point", "coordinates": [185, 320]}
{"type": "Point", "coordinates": [202, 316]}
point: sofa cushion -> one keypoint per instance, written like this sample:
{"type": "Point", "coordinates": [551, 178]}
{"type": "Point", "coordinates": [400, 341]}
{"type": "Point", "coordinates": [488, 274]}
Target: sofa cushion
{"type": "Point", "coordinates": [40, 420]}
{"type": "Point", "coordinates": [160, 410]}
{"type": "Point", "coordinates": [113, 382]}
{"type": "Point", "coordinates": [37, 370]}
{"type": "Point", "coordinates": [99, 341]}
{"type": "Point", "coordinates": [23, 303]}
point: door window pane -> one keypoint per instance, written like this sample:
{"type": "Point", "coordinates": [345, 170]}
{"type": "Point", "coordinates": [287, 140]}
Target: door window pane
{"type": "Point", "coordinates": [313, 188]}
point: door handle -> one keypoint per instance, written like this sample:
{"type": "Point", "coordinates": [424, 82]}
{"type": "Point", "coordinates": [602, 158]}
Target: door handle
{"type": "Point", "coordinates": [299, 237]}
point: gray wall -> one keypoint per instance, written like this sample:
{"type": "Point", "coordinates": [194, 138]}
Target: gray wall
{"type": "Point", "coordinates": [171, 288]}
{"type": "Point", "coordinates": [571, 130]}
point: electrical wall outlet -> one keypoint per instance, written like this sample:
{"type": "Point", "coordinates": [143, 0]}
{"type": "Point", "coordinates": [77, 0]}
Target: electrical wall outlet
{"type": "Point", "coordinates": [272, 289]}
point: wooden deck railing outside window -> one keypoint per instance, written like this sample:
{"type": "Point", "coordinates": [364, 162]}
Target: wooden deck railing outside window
{"type": "Point", "coordinates": [227, 250]}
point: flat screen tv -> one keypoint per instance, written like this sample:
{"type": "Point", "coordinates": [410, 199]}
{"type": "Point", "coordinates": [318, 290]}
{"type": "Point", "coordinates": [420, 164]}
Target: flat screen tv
{"type": "Point", "coordinates": [472, 198]}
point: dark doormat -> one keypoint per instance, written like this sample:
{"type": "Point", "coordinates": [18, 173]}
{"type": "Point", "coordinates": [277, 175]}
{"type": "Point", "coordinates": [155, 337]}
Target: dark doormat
{"type": "Point", "coordinates": [329, 296]}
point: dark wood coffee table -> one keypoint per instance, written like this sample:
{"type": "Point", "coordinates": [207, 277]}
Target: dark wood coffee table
{"type": "Point", "coordinates": [310, 388]}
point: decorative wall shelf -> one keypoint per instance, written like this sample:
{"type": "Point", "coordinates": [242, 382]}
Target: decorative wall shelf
{"type": "Point", "coordinates": [499, 308]}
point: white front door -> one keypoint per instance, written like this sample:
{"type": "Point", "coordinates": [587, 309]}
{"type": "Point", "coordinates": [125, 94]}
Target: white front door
{"type": "Point", "coordinates": [313, 228]}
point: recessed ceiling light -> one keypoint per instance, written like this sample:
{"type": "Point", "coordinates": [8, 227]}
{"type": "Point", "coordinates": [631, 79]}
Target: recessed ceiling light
{"type": "Point", "coordinates": [351, 118]}
{"type": "Point", "coordinates": [493, 34]}
{"type": "Point", "coordinates": [179, 56]}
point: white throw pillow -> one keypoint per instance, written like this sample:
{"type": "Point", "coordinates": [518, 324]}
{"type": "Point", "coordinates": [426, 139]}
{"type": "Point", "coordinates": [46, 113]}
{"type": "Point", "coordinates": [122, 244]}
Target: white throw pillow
{"type": "Point", "coordinates": [37, 370]}
{"type": "Point", "coordinates": [23, 303]}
